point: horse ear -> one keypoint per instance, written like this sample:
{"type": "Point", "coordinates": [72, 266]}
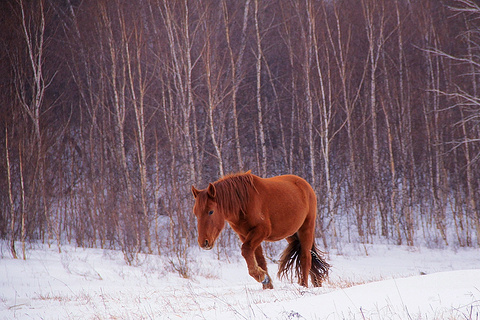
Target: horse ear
{"type": "Point", "coordinates": [211, 191]}
{"type": "Point", "coordinates": [195, 192]}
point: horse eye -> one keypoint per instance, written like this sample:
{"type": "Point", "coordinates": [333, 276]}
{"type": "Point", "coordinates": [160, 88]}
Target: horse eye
{"type": "Point", "coordinates": [210, 212]}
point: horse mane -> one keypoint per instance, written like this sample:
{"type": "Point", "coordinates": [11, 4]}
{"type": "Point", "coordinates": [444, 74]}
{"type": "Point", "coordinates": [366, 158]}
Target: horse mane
{"type": "Point", "coordinates": [233, 192]}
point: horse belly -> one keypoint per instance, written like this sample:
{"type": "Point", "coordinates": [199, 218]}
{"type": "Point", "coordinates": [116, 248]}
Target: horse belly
{"type": "Point", "coordinates": [286, 218]}
{"type": "Point", "coordinates": [283, 230]}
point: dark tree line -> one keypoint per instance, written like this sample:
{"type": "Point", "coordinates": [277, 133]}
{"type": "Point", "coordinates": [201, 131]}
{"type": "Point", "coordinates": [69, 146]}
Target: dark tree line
{"type": "Point", "coordinates": [111, 110]}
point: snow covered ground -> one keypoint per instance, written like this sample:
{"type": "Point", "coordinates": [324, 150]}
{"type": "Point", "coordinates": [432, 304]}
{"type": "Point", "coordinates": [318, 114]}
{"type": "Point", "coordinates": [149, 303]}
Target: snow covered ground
{"type": "Point", "coordinates": [366, 282]}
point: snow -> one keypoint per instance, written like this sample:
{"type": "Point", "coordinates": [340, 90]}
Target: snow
{"type": "Point", "coordinates": [366, 282]}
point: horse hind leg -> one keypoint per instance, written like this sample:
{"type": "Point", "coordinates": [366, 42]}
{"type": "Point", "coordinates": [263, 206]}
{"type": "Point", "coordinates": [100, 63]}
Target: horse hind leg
{"type": "Point", "coordinates": [319, 269]}
{"type": "Point", "coordinates": [306, 242]}
{"type": "Point", "coordinates": [290, 261]}
{"type": "Point", "coordinates": [312, 262]}
{"type": "Point", "coordinates": [297, 260]}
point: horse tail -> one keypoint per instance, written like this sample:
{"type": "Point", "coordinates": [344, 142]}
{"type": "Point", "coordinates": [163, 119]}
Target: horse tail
{"type": "Point", "coordinates": [290, 260]}
{"type": "Point", "coordinates": [290, 263]}
{"type": "Point", "coordinates": [319, 269]}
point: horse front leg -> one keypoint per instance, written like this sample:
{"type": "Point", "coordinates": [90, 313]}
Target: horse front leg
{"type": "Point", "coordinates": [254, 270]}
{"type": "Point", "coordinates": [252, 245]}
{"type": "Point", "coordinates": [262, 263]}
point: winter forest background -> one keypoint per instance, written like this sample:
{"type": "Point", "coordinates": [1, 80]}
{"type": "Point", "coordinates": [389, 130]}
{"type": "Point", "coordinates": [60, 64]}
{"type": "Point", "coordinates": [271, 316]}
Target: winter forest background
{"type": "Point", "coordinates": [111, 110]}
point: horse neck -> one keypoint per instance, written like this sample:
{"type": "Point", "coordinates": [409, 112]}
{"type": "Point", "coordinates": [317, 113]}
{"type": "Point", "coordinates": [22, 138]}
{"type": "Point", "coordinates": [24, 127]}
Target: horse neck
{"type": "Point", "coordinates": [234, 197]}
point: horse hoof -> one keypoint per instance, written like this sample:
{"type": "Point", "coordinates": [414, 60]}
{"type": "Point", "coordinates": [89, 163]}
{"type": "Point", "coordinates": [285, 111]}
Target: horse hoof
{"type": "Point", "coordinates": [268, 286]}
{"type": "Point", "coordinates": [267, 283]}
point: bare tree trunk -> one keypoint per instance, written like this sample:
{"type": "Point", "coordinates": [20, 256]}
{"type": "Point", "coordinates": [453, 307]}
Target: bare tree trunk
{"type": "Point", "coordinates": [469, 102]}
{"type": "Point", "coordinates": [326, 115]}
{"type": "Point", "coordinates": [288, 38]}
{"type": "Point", "coordinates": [118, 81]}
{"type": "Point", "coordinates": [406, 133]}
{"type": "Point", "coordinates": [10, 198]}
{"type": "Point", "coordinates": [437, 167]}
{"type": "Point", "coordinates": [261, 131]}
{"type": "Point", "coordinates": [393, 177]}
{"type": "Point", "coordinates": [32, 101]}
{"type": "Point", "coordinates": [307, 41]}
{"type": "Point", "coordinates": [389, 121]}
{"type": "Point", "coordinates": [156, 192]}
{"type": "Point", "coordinates": [190, 105]}
{"type": "Point", "coordinates": [22, 187]}
{"type": "Point", "coordinates": [309, 97]}
{"type": "Point", "coordinates": [182, 66]}
{"type": "Point", "coordinates": [138, 83]}
{"type": "Point", "coordinates": [341, 50]}
{"type": "Point", "coordinates": [472, 209]}
{"type": "Point", "coordinates": [236, 72]}
{"type": "Point", "coordinates": [212, 88]}
{"type": "Point", "coordinates": [375, 36]}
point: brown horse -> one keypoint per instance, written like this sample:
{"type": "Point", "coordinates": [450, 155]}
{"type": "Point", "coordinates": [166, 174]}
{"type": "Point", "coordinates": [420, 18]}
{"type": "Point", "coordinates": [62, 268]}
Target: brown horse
{"type": "Point", "coordinates": [260, 210]}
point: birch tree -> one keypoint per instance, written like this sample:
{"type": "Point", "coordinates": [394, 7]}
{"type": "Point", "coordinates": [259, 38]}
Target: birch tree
{"type": "Point", "coordinates": [236, 64]}
{"type": "Point", "coordinates": [31, 95]}
{"type": "Point", "coordinates": [258, 64]}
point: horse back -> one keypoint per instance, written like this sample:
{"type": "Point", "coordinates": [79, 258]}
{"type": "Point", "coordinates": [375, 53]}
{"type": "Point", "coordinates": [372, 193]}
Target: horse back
{"type": "Point", "coordinates": [287, 188]}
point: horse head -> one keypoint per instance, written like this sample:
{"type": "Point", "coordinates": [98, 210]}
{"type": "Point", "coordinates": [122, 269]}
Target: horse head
{"type": "Point", "coordinates": [210, 221]}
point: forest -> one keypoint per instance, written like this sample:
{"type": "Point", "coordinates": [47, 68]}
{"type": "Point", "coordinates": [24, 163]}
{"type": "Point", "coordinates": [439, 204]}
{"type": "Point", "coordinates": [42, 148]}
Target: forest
{"type": "Point", "coordinates": [111, 110]}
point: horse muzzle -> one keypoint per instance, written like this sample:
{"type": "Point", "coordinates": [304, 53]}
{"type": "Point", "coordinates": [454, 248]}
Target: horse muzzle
{"type": "Point", "coordinates": [206, 244]}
